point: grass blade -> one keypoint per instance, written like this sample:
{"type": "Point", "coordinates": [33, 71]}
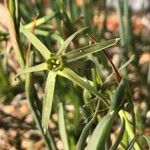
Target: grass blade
{"type": "Point", "coordinates": [119, 137]}
{"type": "Point", "coordinates": [40, 21]}
{"type": "Point", "coordinates": [131, 145]}
{"type": "Point", "coordinates": [36, 42]}
{"type": "Point", "coordinates": [101, 132]}
{"type": "Point", "coordinates": [129, 128]}
{"type": "Point", "coordinates": [68, 40]}
{"type": "Point", "coordinates": [121, 68]}
{"type": "Point", "coordinates": [47, 103]}
{"type": "Point", "coordinates": [98, 67]}
{"type": "Point", "coordinates": [69, 74]}
{"type": "Point", "coordinates": [62, 129]}
{"type": "Point", "coordinates": [85, 132]}
{"type": "Point", "coordinates": [117, 98]}
{"type": "Point", "coordinates": [147, 138]}
{"type": "Point", "coordinates": [7, 21]}
{"type": "Point", "coordinates": [83, 52]}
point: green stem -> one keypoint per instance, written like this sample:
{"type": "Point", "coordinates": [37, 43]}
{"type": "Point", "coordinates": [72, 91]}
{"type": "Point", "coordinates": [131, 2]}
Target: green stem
{"type": "Point", "coordinates": [14, 30]}
{"type": "Point", "coordinates": [121, 29]}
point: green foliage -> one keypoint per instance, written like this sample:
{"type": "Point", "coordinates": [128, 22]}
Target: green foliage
{"type": "Point", "coordinates": [75, 73]}
{"type": "Point", "coordinates": [62, 129]}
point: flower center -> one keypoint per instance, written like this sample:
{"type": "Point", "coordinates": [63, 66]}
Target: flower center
{"type": "Point", "coordinates": [55, 62]}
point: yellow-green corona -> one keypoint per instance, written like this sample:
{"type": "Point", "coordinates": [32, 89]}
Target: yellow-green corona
{"type": "Point", "coordinates": [55, 62]}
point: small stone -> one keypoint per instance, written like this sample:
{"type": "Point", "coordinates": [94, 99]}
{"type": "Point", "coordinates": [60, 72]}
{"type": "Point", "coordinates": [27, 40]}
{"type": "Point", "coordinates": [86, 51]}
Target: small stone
{"type": "Point", "coordinates": [26, 144]}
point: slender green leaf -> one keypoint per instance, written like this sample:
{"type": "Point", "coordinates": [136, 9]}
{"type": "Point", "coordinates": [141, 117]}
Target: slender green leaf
{"type": "Point", "coordinates": [121, 68]}
{"type": "Point", "coordinates": [148, 75]}
{"type": "Point", "coordinates": [41, 32]}
{"type": "Point", "coordinates": [125, 140]}
{"type": "Point", "coordinates": [98, 66]}
{"type": "Point", "coordinates": [36, 42]}
{"type": "Point", "coordinates": [36, 68]}
{"type": "Point", "coordinates": [62, 128]}
{"type": "Point", "coordinates": [127, 63]}
{"type": "Point", "coordinates": [147, 138]}
{"type": "Point", "coordinates": [12, 9]}
{"type": "Point", "coordinates": [85, 132]}
{"type": "Point", "coordinates": [40, 21]}
{"type": "Point", "coordinates": [101, 132]}
{"type": "Point", "coordinates": [48, 99]}
{"type": "Point", "coordinates": [32, 99]}
{"type": "Point", "coordinates": [119, 137]}
{"type": "Point", "coordinates": [83, 52]}
{"type": "Point", "coordinates": [68, 40]}
{"type": "Point", "coordinates": [117, 98]}
{"type": "Point", "coordinates": [82, 140]}
{"type": "Point", "coordinates": [69, 74]}
{"type": "Point", "coordinates": [121, 24]}
{"type": "Point", "coordinates": [128, 127]}
{"type": "Point", "coordinates": [131, 145]}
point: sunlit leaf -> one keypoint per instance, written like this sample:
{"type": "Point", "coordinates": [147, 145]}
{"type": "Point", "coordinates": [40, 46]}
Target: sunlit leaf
{"type": "Point", "coordinates": [36, 42]}
{"type": "Point", "coordinates": [83, 52]}
{"type": "Point", "coordinates": [62, 128]}
{"type": "Point", "coordinates": [48, 99]}
{"type": "Point", "coordinates": [129, 129]}
{"type": "Point", "coordinates": [131, 144]}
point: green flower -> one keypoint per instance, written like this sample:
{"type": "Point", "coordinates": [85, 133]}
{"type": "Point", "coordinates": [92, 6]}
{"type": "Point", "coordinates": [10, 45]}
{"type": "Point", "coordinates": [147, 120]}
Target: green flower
{"type": "Point", "coordinates": [55, 64]}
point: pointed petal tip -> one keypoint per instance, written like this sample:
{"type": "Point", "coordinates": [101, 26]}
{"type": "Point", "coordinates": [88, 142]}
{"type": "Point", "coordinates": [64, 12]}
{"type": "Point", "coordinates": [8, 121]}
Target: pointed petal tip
{"type": "Point", "coordinates": [117, 39]}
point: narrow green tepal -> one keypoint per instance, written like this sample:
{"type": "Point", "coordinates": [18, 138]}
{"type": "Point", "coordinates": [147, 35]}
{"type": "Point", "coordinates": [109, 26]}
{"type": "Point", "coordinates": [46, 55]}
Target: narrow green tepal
{"type": "Point", "coordinates": [69, 74]}
{"type": "Point", "coordinates": [69, 39]}
{"type": "Point", "coordinates": [36, 42]}
{"type": "Point", "coordinates": [48, 99]}
{"type": "Point", "coordinates": [40, 67]}
{"type": "Point", "coordinates": [84, 51]}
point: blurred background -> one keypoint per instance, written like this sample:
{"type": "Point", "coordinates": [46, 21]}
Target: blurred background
{"type": "Point", "coordinates": [129, 20]}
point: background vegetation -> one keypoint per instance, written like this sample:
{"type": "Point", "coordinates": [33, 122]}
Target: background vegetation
{"type": "Point", "coordinates": [73, 75]}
